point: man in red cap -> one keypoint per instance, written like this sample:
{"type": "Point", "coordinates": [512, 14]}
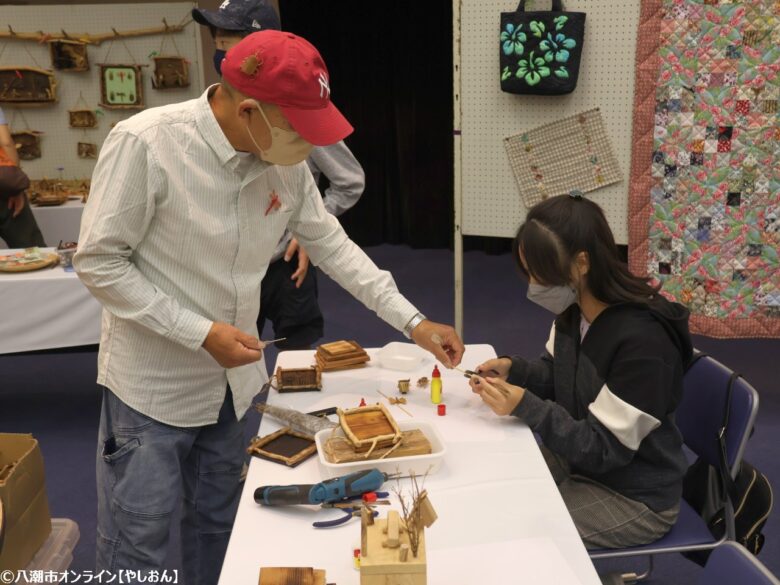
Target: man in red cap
{"type": "Point", "coordinates": [188, 202]}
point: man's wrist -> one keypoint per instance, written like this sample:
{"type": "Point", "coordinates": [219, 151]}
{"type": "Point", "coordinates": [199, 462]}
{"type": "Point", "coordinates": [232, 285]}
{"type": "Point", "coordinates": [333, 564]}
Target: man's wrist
{"type": "Point", "coordinates": [413, 322]}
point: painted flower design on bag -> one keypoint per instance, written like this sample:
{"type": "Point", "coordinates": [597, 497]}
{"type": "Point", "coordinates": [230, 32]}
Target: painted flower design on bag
{"type": "Point", "coordinates": [512, 39]}
{"type": "Point", "coordinates": [557, 47]}
{"type": "Point", "coordinates": [533, 69]}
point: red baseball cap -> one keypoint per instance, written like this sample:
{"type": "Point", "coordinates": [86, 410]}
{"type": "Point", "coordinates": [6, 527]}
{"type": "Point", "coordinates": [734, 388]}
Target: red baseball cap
{"type": "Point", "coordinates": [286, 70]}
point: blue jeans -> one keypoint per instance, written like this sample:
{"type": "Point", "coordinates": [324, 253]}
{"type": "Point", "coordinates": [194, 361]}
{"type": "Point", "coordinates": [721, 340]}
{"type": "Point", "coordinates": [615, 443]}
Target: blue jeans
{"type": "Point", "coordinates": [144, 467]}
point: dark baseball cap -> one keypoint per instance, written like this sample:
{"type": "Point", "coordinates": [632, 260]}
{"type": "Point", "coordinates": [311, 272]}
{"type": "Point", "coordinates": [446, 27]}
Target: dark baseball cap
{"type": "Point", "coordinates": [240, 15]}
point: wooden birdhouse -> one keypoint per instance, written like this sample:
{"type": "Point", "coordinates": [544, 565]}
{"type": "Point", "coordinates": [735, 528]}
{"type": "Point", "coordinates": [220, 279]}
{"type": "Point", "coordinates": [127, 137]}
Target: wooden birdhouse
{"type": "Point", "coordinates": [121, 87]}
{"type": "Point", "coordinates": [67, 55]}
{"type": "Point", "coordinates": [28, 144]}
{"type": "Point", "coordinates": [82, 118]}
{"type": "Point", "coordinates": [171, 72]}
{"type": "Point", "coordinates": [87, 150]}
{"type": "Point", "coordinates": [27, 86]}
{"type": "Point", "coordinates": [298, 379]}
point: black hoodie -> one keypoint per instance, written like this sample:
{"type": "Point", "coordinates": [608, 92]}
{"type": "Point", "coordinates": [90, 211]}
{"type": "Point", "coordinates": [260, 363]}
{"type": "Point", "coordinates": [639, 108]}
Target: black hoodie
{"type": "Point", "coordinates": [606, 404]}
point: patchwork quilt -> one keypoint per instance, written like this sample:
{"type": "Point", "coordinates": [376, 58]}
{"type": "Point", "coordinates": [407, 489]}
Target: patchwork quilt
{"type": "Point", "coordinates": [704, 203]}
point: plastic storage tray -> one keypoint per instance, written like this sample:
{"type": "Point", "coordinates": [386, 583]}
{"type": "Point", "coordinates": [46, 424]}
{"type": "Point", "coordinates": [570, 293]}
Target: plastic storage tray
{"type": "Point", "coordinates": [417, 464]}
{"type": "Point", "coordinates": [56, 554]}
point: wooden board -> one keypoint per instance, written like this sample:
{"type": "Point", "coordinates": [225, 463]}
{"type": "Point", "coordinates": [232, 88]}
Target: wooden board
{"type": "Point", "coordinates": [291, 576]}
{"type": "Point", "coordinates": [284, 446]}
{"type": "Point", "coordinates": [414, 442]}
{"type": "Point", "coordinates": [330, 366]}
{"type": "Point", "coordinates": [338, 349]}
{"type": "Point", "coordinates": [9, 264]}
{"type": "Point", "coordinates": [369, 424]}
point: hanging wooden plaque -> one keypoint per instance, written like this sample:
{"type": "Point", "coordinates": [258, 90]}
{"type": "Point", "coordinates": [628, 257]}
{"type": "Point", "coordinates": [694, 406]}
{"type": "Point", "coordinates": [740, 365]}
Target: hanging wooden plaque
{"type": "Point", "coordinates": [27, 86]}
{"type": "Point", "coordinates": [28, 144]}
{"type": "Point", "coordinates": [82, 118]}
{"type": "Point", "coordinates": [170, 72]}
{"type": "Point", "coordinates": [87, 150]}
{"type": "Point", "coordinates": [69, 55]}
{"type": "Point", "coordinates": [121, 87]}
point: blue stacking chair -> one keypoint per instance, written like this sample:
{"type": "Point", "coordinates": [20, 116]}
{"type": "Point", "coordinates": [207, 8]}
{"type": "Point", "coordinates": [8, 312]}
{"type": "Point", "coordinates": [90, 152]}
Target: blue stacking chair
{"type": "Point", "coordinates": [700, 418]}
{"type": "Point", "coordinates": [732, 563]}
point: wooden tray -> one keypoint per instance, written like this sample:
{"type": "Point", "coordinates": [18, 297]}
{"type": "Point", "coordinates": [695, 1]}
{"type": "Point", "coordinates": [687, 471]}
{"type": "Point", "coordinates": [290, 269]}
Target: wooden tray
{"type": "Point", "coordinates": [369, 427]}
{"type": "Point", "coordinates": [340, 349]}
{"type": "Point", "coordinates": [47, 259]}
{"type": "Point", "coordinates": [341, 364]}
{"type": "Point", "coordinates": [285, 446]}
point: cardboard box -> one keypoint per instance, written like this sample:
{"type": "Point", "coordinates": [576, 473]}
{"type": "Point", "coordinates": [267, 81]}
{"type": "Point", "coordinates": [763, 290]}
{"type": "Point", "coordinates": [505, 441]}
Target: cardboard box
{"type": "Point", "coordinates": [23, 491]}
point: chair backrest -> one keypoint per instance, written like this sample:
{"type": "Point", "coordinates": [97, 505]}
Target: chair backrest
{"type": "Point", "coordinates": [700, 413]}
{"type": "Point", "coordinates": [731, 563]}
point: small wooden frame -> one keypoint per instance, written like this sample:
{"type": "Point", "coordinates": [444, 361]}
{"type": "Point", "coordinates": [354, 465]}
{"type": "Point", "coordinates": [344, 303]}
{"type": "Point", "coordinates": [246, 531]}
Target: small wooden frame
{"type": "Point", "coordinates": [87, 150]}
{"type": "Point", "coordinates": [82, 118]}
{"type": "Point", "coordinates": [340, 355]}
{"type": "Point", "coordinates": [28, 144]}
{"type": "Point", "coordinates": [27, 86]}
{"type": "Point", "coordinates": [369, 427]}
{"type": "Point", "coordinates": [413, 442]}
{"type": "Point", "coordinates": [299, 379]}
{"type": "Point", "coordinates": [121, 87]}
{"type": "Point", "coordinates": [285, 446]}
{"type": "Point", "coordinates": [291, 576]}
{"type": "Point", "coordinates": [69, 55]}
{"type": "Point", "coordinates": [170, 72]}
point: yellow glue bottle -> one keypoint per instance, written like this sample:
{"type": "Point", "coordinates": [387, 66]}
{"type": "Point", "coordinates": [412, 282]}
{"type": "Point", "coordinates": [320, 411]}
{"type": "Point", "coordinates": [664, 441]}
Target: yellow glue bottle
{"type": "Point", "coordinates": [436, 385]}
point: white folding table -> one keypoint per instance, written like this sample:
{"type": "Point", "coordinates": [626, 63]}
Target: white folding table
{"type": "Point", "coordinates": [58, 222]}
{"type": "Point", "coordinates": [501, 517]}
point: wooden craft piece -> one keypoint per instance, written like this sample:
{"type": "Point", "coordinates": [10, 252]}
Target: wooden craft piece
{"type": "Point", "coordinates": [170, 72]}
{"type": "Point", "coordinates": [28, 144]}
{"type": "Point", "coordinates": [403, 386]}
{"type": "Point", "coordinates": [87, 150]}
{"type": "Point", "coordinates": [121, 86]}
{"type": "Point", "coordinates": [340, 355]}
{"type": "Point", "coordinates": [50, 192]}
{"type": "Point", "coordinates": [414, 442]}
{"type": "Point", "coordinates": [291, 576]}
{"type": "Point", "coordinates": [369, 427]}
{"type": "Point", "coordinates": [27, 261]}
{"type": "Point", "coordinates": [299, 379]}
{"type": "Point", "coordinates": [82, 118]}
{"type": "Point", "coordinates": [69, 55]}
{"type": "Point", "coordinates": [422, 382]}
{"type": "Point", "coordinates": [27, 86]}
{"type": "Point", "coordinates": [284, 446]}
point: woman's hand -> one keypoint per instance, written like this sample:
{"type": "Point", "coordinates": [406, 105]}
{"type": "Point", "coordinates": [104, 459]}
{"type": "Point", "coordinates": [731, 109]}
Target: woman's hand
{"type": "Point", "coordinates": [495, 368]}
{"type": "Point", "coordinates": [502, 398]}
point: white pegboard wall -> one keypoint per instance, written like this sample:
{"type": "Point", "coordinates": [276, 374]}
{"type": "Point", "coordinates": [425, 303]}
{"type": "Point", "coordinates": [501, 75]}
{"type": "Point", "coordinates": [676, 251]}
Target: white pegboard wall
{"type": "Point", "coordinates": [491, 205]}
{"type": "Point", "coordinates": [58, 144]}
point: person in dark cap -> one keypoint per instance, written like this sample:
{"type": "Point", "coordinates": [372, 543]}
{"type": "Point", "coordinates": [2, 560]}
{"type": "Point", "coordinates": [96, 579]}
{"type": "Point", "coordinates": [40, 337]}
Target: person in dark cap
{"type": "Point", "coordinates": [187, 205]}
{"type": "Point", "coordinates": [289, 291]}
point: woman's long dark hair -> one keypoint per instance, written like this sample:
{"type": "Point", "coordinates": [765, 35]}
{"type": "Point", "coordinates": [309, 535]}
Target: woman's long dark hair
{"type": "Point", "coordinates": [558, 229]}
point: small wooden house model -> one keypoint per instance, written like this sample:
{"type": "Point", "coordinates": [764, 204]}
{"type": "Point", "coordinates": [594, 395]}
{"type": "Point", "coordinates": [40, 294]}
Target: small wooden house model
{"type": "Point", "coordinates": [27, 86]}
{"type": "Point", "coordinates": [82, 118]}
{"type": "Point", "coordinates": [298, 379]}
{"type": "Point", "coordinates": [67, 55]}
{"type": "Point", "coordinates": [170, 72]}
{"type": "Point", "coordinates": [28, 144]}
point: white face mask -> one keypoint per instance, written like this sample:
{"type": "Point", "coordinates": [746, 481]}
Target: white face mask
{"type": "Point", "coordinates": [553, 298]}
{"type": "Point", "coordinates": [287, 147]}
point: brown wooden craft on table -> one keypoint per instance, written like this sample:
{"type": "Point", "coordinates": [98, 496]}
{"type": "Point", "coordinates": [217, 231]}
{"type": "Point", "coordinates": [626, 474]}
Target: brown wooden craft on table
{"type": "Point", "coordinates": [414, 442]}
{"type": "Point", "coordinates": [56, 192]}
{"type": "Point", "coordinates": [67, 55]}
{"type": "Point", "coordinates": [27, 86]}
{"type": "Point", "coordinates": [291, 576]}
{"type": "Point", "coordinates": [299, 379]}
{"type": "Point", "coordinates": [170, 72]}
{"type": "Point", "coordinates": [392, 549]}
{"type": "Point", "coordinates": [284, 446]}
{"type": "Point", "coordinates": [369, 427]}
{"type": "Point", "coordinates": [82, 118]}
{"type": "Point", "coordinates": [340, 355]}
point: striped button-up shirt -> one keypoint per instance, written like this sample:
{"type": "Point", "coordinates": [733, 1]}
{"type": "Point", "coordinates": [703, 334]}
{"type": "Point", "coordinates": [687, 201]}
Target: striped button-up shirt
{"type": "Point", "coordinates": [176, 235]}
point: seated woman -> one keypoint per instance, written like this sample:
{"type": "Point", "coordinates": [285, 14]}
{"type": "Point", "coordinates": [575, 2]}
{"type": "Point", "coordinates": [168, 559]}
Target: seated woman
{"type": "Point", "coordinates": [603, 394]}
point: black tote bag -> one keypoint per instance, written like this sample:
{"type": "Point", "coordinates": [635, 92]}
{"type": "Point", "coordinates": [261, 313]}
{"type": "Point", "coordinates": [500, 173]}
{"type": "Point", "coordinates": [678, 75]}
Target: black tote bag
{"type": "Point", "coordinates": [540, 51]}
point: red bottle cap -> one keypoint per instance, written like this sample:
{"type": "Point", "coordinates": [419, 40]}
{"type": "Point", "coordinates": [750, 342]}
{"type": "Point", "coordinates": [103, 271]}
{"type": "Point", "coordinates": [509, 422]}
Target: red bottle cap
{"type": "Point", "coordinates": [362, 402]}
{"type": "Point", "coordinates": [442, 409]}
{"type": "Point", "coordinates": [369, 497]}
{"type": "Point", "coordinates": [436, 372]}
{"type": "Point", "coordinates": [356, 553]}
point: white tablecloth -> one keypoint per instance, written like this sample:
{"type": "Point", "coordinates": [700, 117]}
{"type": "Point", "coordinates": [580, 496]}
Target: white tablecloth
{"type": "Point", "coordinates": [46, 309]}
{"type": "Point", "coordinates": [58, 222]}
{"type": "Point", "coordinates": [501, 518]}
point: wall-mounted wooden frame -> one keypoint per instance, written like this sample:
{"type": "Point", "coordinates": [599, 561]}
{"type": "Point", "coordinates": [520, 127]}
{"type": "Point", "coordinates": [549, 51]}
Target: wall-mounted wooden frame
{"type": "Point", "coordinates": [121, 86]}
{"type": "Point", "coordinates": [27, 86]}
{"type": "Point", "coordinates": [87, 150]}
{"type": "Point", "coordinates": [369, 427]}
{"type": "Point", "coordinates": [69, 55]}
{"type": "Point", "coordinates": [299, 379]}
{"type": "Point", "coordinates": [28, 144]}
{"type": "Point", "coordinates": [170, 72]}
{"type": "Point", "coordinates": [82, 118]}
{"type": "Point", "coordinates": [285, 446]}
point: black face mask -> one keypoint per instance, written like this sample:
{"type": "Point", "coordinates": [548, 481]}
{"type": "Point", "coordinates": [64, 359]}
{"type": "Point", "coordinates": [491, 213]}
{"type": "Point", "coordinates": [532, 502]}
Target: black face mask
{"type": "Point", "coordinates": [219, 54]}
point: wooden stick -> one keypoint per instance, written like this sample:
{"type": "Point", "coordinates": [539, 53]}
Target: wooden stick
{"type": "Point", "coordinates": [90, 39]}
{"type": "Point", "coordinates": [394, 403]}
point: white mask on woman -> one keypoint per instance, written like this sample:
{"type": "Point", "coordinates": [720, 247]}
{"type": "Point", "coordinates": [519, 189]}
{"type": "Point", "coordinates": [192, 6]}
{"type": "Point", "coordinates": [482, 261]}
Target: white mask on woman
{"type": "Point", "coordinates": [287, 147]}
{"type": "Point", "coordinates": [553, 298]}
